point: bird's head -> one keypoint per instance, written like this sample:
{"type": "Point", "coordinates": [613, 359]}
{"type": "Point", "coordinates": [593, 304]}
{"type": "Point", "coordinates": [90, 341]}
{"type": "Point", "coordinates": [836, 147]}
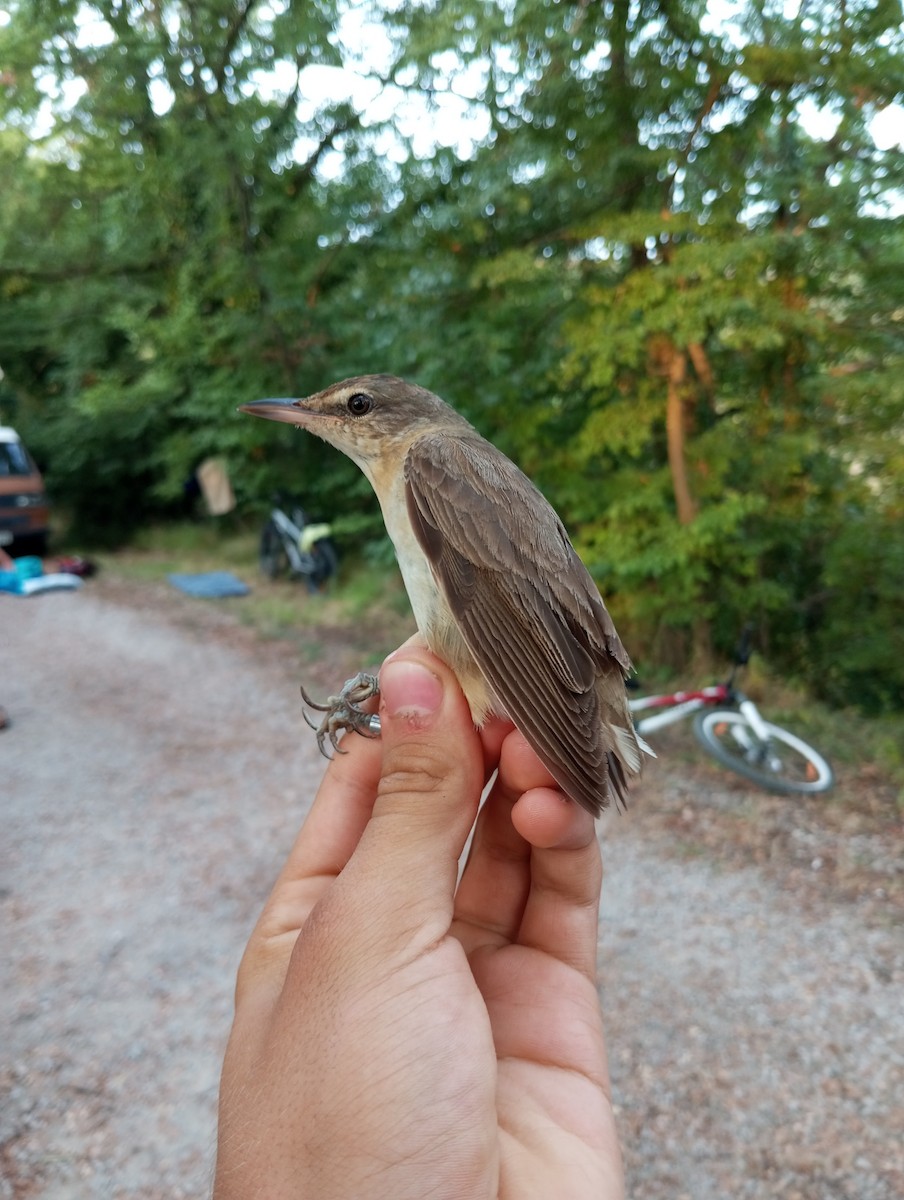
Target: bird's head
{"type": "Point", "coordinates": [365, 417]}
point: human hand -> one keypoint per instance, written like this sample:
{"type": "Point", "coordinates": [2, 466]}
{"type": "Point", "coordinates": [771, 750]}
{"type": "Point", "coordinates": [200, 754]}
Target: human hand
{"type": "Point", "coordinates": [400, 1035]}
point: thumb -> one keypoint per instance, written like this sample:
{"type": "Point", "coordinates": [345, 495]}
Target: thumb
{"type": "Point", "coordinates": [430, 785]}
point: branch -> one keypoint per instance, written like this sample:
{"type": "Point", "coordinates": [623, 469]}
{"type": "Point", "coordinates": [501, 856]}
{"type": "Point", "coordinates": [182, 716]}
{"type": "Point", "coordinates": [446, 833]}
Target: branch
{"type": "Point", "coordinates": [702, 367]}
{"type": "Point", "coordinates": [242, 14]}
{"type": "Point", "coordinates": [304, 172]}
{"type": "Point", "coordinates": [285, 113]}
{"type": "Point", "coordinates": [89, 270]}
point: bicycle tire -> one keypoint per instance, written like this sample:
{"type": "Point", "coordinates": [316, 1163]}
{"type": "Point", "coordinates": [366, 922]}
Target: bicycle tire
{"type": "Point", "coordinates": [273, 557]}
{"type": "Point", "coordinates": [793, 767]}
{"type": "Point", "coordinates": [326, 561]}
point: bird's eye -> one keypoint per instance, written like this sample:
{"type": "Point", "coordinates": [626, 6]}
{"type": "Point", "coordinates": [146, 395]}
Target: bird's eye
{"type": "Point", "coordinates": [360, 404]}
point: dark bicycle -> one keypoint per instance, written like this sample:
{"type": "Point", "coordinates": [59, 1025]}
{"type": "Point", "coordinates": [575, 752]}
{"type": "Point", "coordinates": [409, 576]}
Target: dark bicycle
{"type": "Point", "coordinates": [290, 544]}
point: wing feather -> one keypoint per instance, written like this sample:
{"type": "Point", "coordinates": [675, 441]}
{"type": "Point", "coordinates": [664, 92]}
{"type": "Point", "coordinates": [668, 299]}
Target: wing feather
{"type": "Point", "coordinates": [526, 607]}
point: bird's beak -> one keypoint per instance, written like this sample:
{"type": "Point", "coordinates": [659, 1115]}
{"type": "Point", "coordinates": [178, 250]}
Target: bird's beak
{"type": "Point", "coordinates": [292, 412]}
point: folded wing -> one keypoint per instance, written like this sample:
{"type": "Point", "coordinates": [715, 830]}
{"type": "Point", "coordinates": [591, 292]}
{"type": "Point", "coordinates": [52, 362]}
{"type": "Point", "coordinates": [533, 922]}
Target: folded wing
{"type": "Point", "coordinates": [528, 610]}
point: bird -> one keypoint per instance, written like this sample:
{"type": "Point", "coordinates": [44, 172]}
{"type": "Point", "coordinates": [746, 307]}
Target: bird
{"type": "Point", "coordinates": [497, 590]}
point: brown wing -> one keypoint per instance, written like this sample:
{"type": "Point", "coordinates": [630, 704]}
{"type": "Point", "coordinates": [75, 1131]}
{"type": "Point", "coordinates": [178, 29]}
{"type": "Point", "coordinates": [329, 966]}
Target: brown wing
{"type": "Point", "coordinates": [527, 608]}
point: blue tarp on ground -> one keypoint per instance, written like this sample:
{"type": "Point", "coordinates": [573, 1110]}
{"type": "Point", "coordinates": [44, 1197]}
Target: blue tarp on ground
{"type": "Point", "coordinates": [210, 585]}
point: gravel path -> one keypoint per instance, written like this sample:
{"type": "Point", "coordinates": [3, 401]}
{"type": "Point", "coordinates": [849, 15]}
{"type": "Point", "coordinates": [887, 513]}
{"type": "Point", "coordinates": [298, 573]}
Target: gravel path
{"type": "Point", "coordinates": [152, 779]}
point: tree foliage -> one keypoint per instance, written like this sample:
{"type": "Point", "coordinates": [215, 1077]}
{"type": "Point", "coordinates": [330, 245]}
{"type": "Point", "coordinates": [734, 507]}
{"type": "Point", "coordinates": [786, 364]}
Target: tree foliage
{"type": "Point", "coordinates": [162, 240]}
{"type": "Point", "coordinates": [666, 278]}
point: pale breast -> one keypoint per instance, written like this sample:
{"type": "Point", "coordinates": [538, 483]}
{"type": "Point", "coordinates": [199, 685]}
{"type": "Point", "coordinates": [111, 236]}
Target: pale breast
{"type": "Point", "coordinates": [434, 618]}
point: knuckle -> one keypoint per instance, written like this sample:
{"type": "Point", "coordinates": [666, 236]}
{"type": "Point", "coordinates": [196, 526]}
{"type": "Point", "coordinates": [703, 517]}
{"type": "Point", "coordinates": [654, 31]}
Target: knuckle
{"type": "Point", "coordinates": [415, 769]}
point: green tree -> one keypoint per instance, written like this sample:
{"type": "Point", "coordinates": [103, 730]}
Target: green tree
{"type": "Point", "coordinates": [163, 240]}
{"type": "Point", "coordinates": [666, 277]}
{"type": "Point", "coordinates": [699, 220]}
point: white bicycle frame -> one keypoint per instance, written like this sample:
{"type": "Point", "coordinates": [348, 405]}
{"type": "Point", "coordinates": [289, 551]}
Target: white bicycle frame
{"type": "Point", "coordinates": [685, 704]}
{"type": "Point", "coordinates": [302, 563]}
{"type": "Point", "coordinates": [751, 714]}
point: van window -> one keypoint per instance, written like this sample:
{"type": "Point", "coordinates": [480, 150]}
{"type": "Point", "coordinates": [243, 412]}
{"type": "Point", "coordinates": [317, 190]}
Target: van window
{"type": "Point", "coordinates": [14, 459]}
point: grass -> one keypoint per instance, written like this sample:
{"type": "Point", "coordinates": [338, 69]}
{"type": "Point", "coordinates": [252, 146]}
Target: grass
{"type": "Point", "coordinates": [365, 599]}
{"type": "Point", "coordinates": [852, 738]}
{"type": "Point", "coordinates": [186, 546]}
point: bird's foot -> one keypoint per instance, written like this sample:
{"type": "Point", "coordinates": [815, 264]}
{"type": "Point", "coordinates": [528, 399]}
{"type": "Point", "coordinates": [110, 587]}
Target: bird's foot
{"type": "Point", "coordinates": [344, 712]}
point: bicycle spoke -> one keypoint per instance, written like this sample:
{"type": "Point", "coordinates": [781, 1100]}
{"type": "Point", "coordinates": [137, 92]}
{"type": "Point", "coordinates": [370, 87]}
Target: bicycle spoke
{"type": "Point", "coordinates": [781, 763]}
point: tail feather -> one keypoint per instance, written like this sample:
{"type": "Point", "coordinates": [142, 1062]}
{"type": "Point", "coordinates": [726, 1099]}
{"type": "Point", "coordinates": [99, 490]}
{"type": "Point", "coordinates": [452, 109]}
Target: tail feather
{"type": "Point", "coordinates": [630, 747]}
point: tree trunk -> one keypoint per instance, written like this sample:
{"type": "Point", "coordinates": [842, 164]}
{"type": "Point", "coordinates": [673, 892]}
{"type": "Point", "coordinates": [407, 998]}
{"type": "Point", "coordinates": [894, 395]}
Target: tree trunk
{"type": "Point", "coordinates": [685, 504]}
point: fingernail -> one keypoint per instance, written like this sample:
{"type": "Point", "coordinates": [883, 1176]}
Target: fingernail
{"type": "Point", "coordinates": [409, 689]}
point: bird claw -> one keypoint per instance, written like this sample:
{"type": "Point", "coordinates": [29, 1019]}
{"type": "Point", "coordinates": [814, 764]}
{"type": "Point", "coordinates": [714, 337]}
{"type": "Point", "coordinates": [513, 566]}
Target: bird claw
{"type": "Point", "coordinates": [344, 712]}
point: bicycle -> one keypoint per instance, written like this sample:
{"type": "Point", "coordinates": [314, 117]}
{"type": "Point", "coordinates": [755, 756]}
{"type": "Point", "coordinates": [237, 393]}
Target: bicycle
{"type": "Point", "coordinates": [290, 543]}
{"type": "Point", "coordinates": [738, 737]}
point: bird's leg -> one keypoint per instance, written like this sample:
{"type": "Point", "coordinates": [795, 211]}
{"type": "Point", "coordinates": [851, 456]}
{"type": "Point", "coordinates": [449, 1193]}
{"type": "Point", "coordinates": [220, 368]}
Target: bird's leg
{"type": "Point", "coordinates": [344, 711]}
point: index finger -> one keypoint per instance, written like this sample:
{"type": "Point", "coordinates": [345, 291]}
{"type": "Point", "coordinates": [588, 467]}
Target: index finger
{"type": "Point", "coordinates": [341, 809]}
{"type": "Point", "coordinates": [325, 843]}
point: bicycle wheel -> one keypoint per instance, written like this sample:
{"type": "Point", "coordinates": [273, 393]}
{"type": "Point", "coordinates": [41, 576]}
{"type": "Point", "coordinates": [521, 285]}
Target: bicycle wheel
{"type": "Point", "coordinates": [783, 764]}
{"type": "Point", "coordinates": [326, 560]}
{"type": "Point", "coordinates": [273, 558]}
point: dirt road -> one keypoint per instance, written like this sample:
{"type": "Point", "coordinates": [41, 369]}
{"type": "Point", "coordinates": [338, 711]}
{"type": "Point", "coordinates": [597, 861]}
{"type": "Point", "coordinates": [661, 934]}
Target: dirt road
{"type": "Point", "coordinates": [152, 779]}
